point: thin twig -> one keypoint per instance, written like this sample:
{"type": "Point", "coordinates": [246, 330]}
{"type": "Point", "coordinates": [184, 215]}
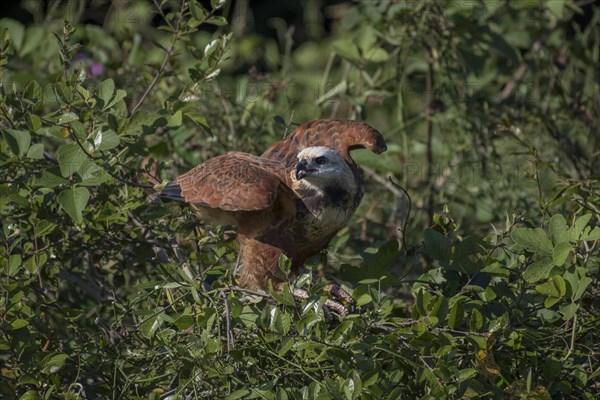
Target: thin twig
{"type": "Point", "coordinates": [510, 85]}
{"type": "Point", "coordinates": [430, 84]}
{"type": "Point", "coordinates": [117, 177]}
{"type": "Point", "coordinates": [162, 14]}
{"type": "Point", "coordinates": [572, 344]}
{"type": "Point", "coordinates": [10, 122]}
{"type": "Point", "coordinates": [251, 292]}
{"type": "Point", "coordinates": [390, 186]}
{"type": "Point", "coordinates": [160, 71]}
{"type": "Point", "coordinates": [180, 256]}
{"type": "Point", "coordinates": [518, 75]}
{"type": "Point", "coordinates": [407, 213]}
{"type": "Point", "coordinates": [230, 338]}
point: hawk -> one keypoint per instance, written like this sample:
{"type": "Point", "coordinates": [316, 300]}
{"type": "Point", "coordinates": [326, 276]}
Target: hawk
{"type": "Point", "coordinates": [291, 200]}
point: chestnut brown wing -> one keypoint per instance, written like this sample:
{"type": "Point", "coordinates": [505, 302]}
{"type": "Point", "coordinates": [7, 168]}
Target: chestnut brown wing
{"type": "Point", "coordinates": [232, 182]}
{"type": "Point", "coordinates": [340, 135]}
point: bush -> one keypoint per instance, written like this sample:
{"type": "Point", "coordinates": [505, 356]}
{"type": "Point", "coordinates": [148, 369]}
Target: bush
{"type": "Point", "coordinates": [474, 268]}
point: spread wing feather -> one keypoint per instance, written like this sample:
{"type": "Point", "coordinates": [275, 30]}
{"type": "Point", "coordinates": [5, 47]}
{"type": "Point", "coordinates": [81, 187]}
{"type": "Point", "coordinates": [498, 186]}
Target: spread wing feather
{"type": "Point", "coordinates": [232, 182]}
{"type": "Point", "coordinates": [339, 135]}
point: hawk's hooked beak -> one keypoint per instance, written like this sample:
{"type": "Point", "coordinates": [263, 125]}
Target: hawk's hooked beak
{"type": "Point", "coordinates": [302, 169]}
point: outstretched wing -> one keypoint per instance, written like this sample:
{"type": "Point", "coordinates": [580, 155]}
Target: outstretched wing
{"type": "Point", "coordinates": [232, 182]}
{"type": "Point", "coordinates": [339, 135]}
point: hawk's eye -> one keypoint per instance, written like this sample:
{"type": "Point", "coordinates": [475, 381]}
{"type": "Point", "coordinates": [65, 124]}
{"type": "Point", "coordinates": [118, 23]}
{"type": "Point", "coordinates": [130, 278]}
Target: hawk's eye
{"type": "Point", "coordinates": [320, 160]}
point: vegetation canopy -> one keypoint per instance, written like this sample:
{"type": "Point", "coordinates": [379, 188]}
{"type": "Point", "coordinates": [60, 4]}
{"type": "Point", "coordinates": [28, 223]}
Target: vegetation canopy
{"type": "Point", "coordinates": [473, 258]}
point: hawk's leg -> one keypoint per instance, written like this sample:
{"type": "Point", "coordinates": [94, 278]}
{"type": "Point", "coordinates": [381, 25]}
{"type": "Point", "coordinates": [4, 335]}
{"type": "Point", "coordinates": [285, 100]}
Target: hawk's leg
{"type": "Point", "coordinates": [329, 303]}
{"type": "Point", "coordinates": [339, 293]}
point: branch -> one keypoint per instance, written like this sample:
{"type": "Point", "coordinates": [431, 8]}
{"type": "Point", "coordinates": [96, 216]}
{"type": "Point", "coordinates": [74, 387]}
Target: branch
{"type": "Point", "coordinates": [397, 191]}
{"type": "Point", "coordinates": [518, 75]}
{"type": "Point", "coordinates": [160, 71]}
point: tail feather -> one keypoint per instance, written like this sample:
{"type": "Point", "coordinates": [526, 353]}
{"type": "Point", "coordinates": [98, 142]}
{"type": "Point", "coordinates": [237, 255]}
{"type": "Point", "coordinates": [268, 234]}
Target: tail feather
{"type": "Point", "coordinates": [172, 192]}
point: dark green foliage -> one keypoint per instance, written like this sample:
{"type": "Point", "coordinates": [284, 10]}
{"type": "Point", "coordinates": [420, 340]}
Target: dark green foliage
{"type": "Point", "coordinates": [484, 284]}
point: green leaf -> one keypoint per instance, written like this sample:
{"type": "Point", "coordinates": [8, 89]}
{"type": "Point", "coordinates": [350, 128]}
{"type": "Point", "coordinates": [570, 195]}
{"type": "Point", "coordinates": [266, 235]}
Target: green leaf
{"type": "Point", "coordinates": [558, 229]}
{"type": "Point", "coordinates": [581, 288]}
{"type": "Point", "coordinates": [91, 174]}
{"type": "Point", "coordinates": [49, 178]}
{"type": "Point", "coordinates": [593, 235]}
{"type": "Point", "coordinates": [68, 117]}
{"type": "Point", "coordinates": [577, 282]}
{"type": "Point", "coordinates": [33, 122]}
{"type": "Point", "coordinates": [197, 11]}
{"type": "Point", "coordinates": [19, 323]}
{"type": "Point", "coordinates": [217, 20]}
{"type": "Point", "coordinates": [36, 152]}
{"type": "Point", "coordinates": [379, 256]}
{"type": "Point", "coordinates": [285, 346]}
{"type": "Point", "coordinates": [499, 323]}
{"type": "Point", "coordinates": [63, 92]}
{"type": "Point", "coordinates": [539, 270]}
{"type": "Point", "coordinates": [73, 201]}
{"type": "Point", "coordinates": [556, 7]}
{"type": "Point", "coordinates": [347, 49]}
{"type": "Point", "coordinates": [106, 140]}
{"type": "Point", "coordinates": [149, 327]}
{"type": "Point", "coordinates": [556, 287]}
{"type": "Point", "coordinates": [143, 122]}
{"type": "Point", "coordinates": [17, 31]}
{"type": "Point", "coordinates": [568, 310]}
{"type": "Point", "coordinates": [466, 373]}
{"type": "Point", "coordinates": [560, 253]}
{"type": "Point", "coordinates": [70, 158]}
{"type": "Point", "coordinates": [34, 93]}
{"type": "Point", "coordinates": [376, 55]}
{"type": "Point", "coordinates": [239, 394]}
{"type": "Point", "coordinates": [30, 395]}
{"type": "Point", "coordinates": [33, 38]}
{"type": "Point", "coordinates": [184, 322]}
{"type": "Point", "coordinates": [365, 38]}
{"type": "Point", "coordinates": [456, 316]}
{"type": "Point", "coordinates": [54, 362]}
{"type": "Point", "coordinates": [535, 240]}
{"type": "Point", "coordinates": [476, 320]}
{"type": "Point", "coordinates": [175, 120]}
{"type": "Point", "coordinates": [280, 321]}
{"type": "Point", "coordinates": [17, 140]}
{"type": "Point", "coordinates": [14, 263]}
{"type": "Point", "coordinates": [33, 263]}
{"type": "Point", "coordinates": [438, 246]}
{"type": "Point", "coordinates": [43, 228]}
{"type": "Point", "coordinates": [576, 230]}
{"type": "Point", "coordinates": [105, 91]}
{"type": "Point", "coordinates": [120, 95]}
{"type": "Point", "coordinates": [363, 299]}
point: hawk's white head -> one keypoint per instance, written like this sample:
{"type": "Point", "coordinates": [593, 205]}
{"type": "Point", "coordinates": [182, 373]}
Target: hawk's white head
{"type": "Point", "coordinates": [320, 166]}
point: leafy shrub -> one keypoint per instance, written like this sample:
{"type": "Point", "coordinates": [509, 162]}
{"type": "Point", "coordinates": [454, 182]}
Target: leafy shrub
{"type": "Point", "coordinates": [488, 107]}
